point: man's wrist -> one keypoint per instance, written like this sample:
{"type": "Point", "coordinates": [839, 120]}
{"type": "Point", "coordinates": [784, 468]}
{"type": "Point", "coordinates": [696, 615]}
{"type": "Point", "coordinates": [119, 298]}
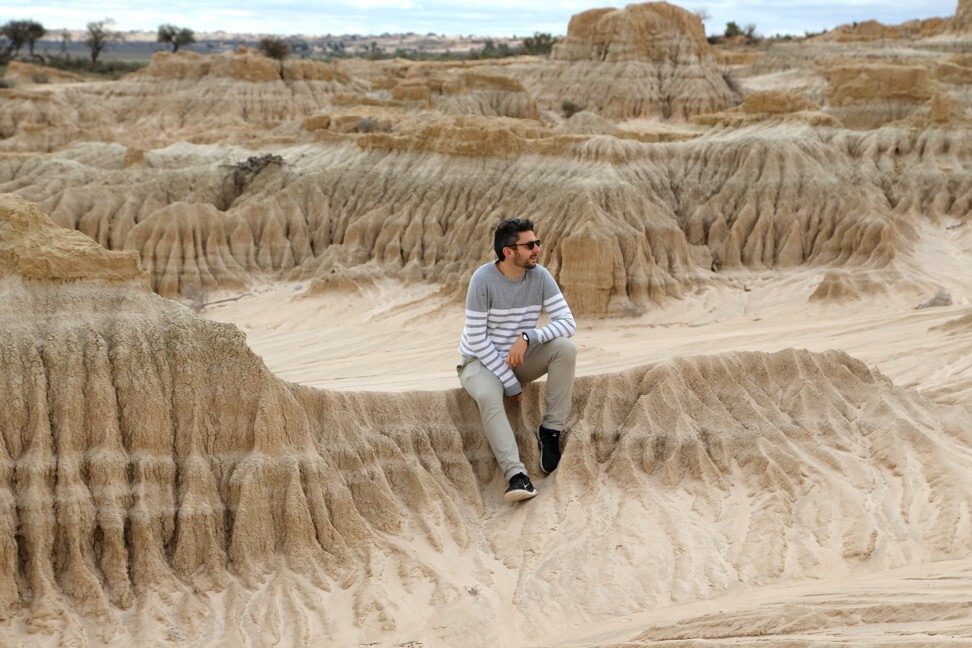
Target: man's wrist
{"type": "Point", "coordinates": [525, 338]}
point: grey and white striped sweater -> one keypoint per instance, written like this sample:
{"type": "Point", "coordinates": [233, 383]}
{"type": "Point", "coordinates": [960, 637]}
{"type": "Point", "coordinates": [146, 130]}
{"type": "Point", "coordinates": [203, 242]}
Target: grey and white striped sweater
{"type": "Point", "coordinates": [498, 309]}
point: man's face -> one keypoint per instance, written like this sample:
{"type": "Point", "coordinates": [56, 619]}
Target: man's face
{"type": "Point", "coordinates": [523, 256]}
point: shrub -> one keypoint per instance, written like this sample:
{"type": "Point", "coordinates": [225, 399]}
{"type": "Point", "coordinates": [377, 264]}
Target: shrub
{"type": "Point", "coordinates": [539, 43]}
{"type": "Point", "coordinates": [370, 125]}
{"type": "Point", "coordinates": [176, 36]}
{"type": "Point", "coordinates": [570, 108]}
{"type": "Point", "coordinates": [274, 47]}
{"type": "Point", "coordinates": [749, 31]}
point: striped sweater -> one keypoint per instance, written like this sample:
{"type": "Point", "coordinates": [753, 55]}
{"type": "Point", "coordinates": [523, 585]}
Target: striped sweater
{"type": "Point", "coordinates": [498, 309]}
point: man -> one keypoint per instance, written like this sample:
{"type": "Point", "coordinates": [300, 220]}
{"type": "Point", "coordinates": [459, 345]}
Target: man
{"type": "Point", "coordinates": [502, 349]}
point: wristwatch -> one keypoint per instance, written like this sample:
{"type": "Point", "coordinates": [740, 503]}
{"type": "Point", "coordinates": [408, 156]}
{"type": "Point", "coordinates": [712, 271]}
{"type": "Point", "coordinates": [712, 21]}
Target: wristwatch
{"type": "Point", "coordinates": [525, 338]}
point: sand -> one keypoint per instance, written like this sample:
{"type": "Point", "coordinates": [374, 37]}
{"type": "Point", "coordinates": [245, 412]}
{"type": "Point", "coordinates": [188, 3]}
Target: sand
{"type": "Point", "coordinates": [398, 337]}
{"type": "Point", "coordinates": [351, 340]}
{"type": "Point", "coordinates": [231, 294]}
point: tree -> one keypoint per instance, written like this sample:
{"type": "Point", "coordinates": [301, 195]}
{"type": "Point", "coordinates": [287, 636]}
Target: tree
{"type": "Point", "coordinates": [35, 32]}
{"type": "Point", "coordinates": [733, 30]}
{"type": "Point", "coordinates": [18, 33]}
{"type": "Point", "coordinates": [99, 35]}
{"type": "Point", "coordinates": [13, 37]}
{"type": "Point", "coordinates": [274, 47]}
{"type": "Point", "coordinates": [65, 39]}
{"type": "Point", "coordinates": [176, 36]}
{"type": "Point", "coordinates": [539, 43]}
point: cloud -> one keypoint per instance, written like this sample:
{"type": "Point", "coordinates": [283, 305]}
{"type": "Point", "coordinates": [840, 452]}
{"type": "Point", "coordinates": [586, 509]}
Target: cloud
{"type": "Point", "coordinates": [494, 18]}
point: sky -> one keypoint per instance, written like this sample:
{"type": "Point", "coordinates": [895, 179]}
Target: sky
{"type": "Point", "coordinates": [493, 18]}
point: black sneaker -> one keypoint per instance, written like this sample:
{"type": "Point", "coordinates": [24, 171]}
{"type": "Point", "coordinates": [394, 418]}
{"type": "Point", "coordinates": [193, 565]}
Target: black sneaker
{"type": "Point", "coordinates": [549, 449]}
{"type": "Point", "coordinates": [520, 488]}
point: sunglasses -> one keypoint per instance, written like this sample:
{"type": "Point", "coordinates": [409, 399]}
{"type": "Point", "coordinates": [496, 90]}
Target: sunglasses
{"type": "Point", "coordinates": [529, 244]}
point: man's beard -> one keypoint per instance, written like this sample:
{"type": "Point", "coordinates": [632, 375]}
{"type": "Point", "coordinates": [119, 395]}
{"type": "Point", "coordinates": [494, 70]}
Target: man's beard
{"type": "Point", "coordinates": [528, 263]}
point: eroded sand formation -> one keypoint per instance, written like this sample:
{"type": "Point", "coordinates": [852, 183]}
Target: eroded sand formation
{"type": "Point", "coordinates": [391, 174]}
{"type": "Point", "coordinates": [667, 217]}
{"type": "Point", "coordinates": [162, 486]}
{"type": "Point", "coordinates": [153, 467]}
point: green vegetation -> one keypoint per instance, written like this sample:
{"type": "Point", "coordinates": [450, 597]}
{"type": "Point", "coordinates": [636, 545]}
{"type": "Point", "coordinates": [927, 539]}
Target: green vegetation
{"type": "Point", "coordinates": [539, 43]}
{"type": "Point", "coordinates": [569, 108]}
{"type": "Point", "coordinates": [733, 30]}
{"type": "Point", "coordinates": [274, 47]}
{"type": "Point", "coordinates": [490, 51]}
{"type": "Point", "coordinates": [17, 33]}
{"type": "Point", "coordinates": [99, 35]}
{"type": "Point", "coordinates": [176, 36]}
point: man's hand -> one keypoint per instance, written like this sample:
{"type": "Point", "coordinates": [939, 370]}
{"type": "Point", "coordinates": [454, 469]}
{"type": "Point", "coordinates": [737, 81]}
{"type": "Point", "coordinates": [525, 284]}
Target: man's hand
{"type": "Point", "coordinates": [515, 356]}
{"type": "Point", "coordinates": [516, 398]}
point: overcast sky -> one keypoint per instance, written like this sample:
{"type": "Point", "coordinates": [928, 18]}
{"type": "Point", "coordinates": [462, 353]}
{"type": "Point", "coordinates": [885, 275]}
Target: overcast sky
{"type": "Point", "coordinates": [493, 18]}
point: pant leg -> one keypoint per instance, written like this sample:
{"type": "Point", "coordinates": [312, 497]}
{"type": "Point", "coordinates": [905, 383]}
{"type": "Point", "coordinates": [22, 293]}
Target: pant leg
{"type": "Point", "coordinates": [487, 390]}
{"type": "Point", "coordinates": [556, 358]}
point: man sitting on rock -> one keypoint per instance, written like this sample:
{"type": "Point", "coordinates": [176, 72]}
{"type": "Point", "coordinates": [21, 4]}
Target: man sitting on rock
{"type": "Point", "coordinates": [502, 348]}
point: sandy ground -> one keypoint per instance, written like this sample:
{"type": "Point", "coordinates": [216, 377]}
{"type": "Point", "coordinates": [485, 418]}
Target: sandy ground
{"type": "Point", "coordinates": [884, 609]}
{"type": "Point", "coordinates": [395, 336]}
{"type": "Point", "coordinates": [399, 337]}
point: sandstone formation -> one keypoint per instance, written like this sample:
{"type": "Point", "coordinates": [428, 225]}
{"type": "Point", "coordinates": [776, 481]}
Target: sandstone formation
{"type": "Point", "coordinates": [224, 170]}
{"type": "Point", "coordinates": [763, 107]}
{"type": "Point", "coordinates": [161, 486]}
{"type": "Point", "coordinates": [237, 96]}
{"type": "Point", "coordinates": [648, 59]}
{"type": "Point", "coordinates": [869, 95]}
{"type": "Point", "coordinates": [872, 30]}
{"type": "Point", "coordinates": [21, 73]}
{"type": "Point", "coordinates": [962, 20]}
{"type": "Point", "coordinates": [656, 219]}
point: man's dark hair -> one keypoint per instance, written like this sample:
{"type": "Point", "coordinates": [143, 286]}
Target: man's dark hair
{"type": "Point", "coordinates": [508, 231]}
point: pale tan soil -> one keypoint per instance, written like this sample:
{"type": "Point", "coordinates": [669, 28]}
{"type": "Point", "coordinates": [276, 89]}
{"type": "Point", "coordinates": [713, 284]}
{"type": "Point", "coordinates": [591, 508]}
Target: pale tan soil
{"type": "Point", "coordinates": [770, 439]}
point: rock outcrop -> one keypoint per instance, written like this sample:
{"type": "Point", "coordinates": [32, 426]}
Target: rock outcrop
{"type": "Point", "coordinates": [238, 96]}
{"type": "Point", "coordinates": [868, 95]}
{"type": "Point", "coordinates": [222, 169]}
{"type": "Point", "coordinates": [21, 73]}
{"type": "Point", "coordinates": [770, 107]}
{"type": "Point", "coordinates": [661, 217]}
{"type": "Point", "coordinates": [647, 60]}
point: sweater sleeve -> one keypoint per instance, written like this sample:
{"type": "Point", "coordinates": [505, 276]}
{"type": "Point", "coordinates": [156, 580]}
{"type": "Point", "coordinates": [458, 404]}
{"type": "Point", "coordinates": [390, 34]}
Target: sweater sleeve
{"type": "Point", "coordinates": [475, 338]}
{"type": "Point", "coordinates": [561, 320]}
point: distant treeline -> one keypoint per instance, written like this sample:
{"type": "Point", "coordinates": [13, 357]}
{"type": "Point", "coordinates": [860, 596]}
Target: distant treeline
{"type": "Point", "coordinates": [30, 40]}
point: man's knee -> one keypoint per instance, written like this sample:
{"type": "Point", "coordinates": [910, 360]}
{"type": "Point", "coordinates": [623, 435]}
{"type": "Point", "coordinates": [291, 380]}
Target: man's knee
{"type": "Point", "coordinates": [564, 347]}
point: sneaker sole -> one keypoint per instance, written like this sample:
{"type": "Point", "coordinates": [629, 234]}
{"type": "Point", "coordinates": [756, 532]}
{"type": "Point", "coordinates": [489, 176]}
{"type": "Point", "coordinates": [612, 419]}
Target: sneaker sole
{"type": "Point", "coordinates": [519, 495]}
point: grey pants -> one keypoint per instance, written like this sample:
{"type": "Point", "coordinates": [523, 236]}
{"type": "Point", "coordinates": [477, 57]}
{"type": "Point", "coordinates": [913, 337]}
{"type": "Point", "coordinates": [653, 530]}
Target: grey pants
{"type": "Point", "coordinates": [555, 358]}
